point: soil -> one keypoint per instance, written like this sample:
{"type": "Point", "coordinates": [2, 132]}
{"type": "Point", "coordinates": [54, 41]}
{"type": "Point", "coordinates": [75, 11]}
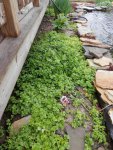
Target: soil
{"type": "Point", "coordinates": [46, 25]}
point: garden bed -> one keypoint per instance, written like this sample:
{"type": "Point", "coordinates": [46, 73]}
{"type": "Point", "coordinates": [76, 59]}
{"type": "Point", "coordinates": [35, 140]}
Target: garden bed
{"type": "Point", "coordinates": [55, 68]}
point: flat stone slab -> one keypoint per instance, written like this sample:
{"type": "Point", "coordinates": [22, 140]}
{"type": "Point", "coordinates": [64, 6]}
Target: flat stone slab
{"type": "Point", "coordinates": [104, 61]}
{"type": "Point", "coordinates": [98, 8]}
{"type": "Point", "coordinates": [95, 51]}
{"type": "Point", "coordinates": [69, 32]}
{"type": "Point", "coordinates": [93, 65]}
{"type": "Point", "coordinates": [94, 43]}
{"type": "Point", "coordinates": [17, 125]}
{"type": "Point", "coordinates": [77, 137]}
{"type": "Point", "coordinates": [104, 79]}
{"type": "Point", "coordinates": [101, 148]}
{"type": "Point", "coordinates": [103, 96]}
{"type": "Point", "coordinates": [84, 31]}
{"type": "Point", "coordinates": [88, 55]}
{"type": "Point", "coordinates": [109, 94]}
{"type": "Point", "coordinates": [108, 55]}
{"type": "Point", "coordinates": [89, 9]}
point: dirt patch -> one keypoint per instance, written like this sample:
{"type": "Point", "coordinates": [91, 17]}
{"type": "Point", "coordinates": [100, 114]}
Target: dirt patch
{"type": "Point", "coordinates": [45, 26]}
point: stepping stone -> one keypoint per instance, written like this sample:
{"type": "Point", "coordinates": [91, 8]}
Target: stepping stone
{"type": "Point", "coordinates": [94, 43]}
{"type": "Point", "coordinates": [104, 79]}
{"type": "Point", "coordinates": [100, 8]}
{"type": "Point", "coordinates": [93, 65]}
{"type": "Point", "coordinates": [82, 22]}
{"type": "Point", "coordinates": [77, 137]}
{"type": "Point", "coordinates": [89, 9]}
{"type": "Point", "coordinates": [108, 55]}
{"type": "Point", "coordinates": [17, 125]}
{"type": "Point", "coordinates": [88, 55]}
{"type": "Point", "coordinates": [104, 61]}
{"type": "Point", "coordinates": [101, 148]}
{"type": "Point", "coordinates": [69, 33]}
{"type": "Point", "coordinates": [96, 52]}
{"type": "Point", "coordinates": [85, 32]}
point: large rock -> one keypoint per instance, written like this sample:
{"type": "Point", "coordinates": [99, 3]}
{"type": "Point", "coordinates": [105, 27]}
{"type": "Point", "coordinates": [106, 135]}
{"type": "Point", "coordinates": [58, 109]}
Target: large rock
{"type": "Point", "coordinates": [101, 148]}
{"type": "Point", "coordinates": [17, 125]}
{"type": "Point", "coordinates": [104, 61]}
{"type": "Point", "coordinates": [89, 9]}
{"type": "Point", "coordinates": [101, 8]}
{"type": "Point", "coordinates": [69, 32]}
{"type": "Point", "coordinates": [94, 43]}
{"type": "Point", "coordinates": [96, 52]}
{"type": "Point", "coordinates": [88, 55]}
{"type": "Point", "coordinates": [108, 55]}
{"type": "Point", "coordinates": [76, 137]}
{"type": "Point", "coordinates": [103, 96]}
{"type": "Point", "coordinates": [97, 67]}
{"type": "Point", "coordinates": [91, 41]}
{"type": "Point", "coordinates": [85, 32]}
{"type": "Point", "coordinates": [109, 94]}
{"type": "Point", "coordinates": [104, 79]}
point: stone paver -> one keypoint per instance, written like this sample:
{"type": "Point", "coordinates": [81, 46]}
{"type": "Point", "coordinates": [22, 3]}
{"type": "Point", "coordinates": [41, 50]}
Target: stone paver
{"type": "Point", "coordinates": [93, 65]}
{"type": "Point", "coordinates": [104, 79]}
{"type": "Point", "coordinates": [76, 137]}
{"type": "Point", "coordinates": [85, 32]}
{"type": "Point", "coordinates": [17, 125]}
{"type": "Point", "coordinates": [101, 148]}
{"type": "Point", "coordinates": [104, 61]}
{"type": "Point", "coordinates": [95, 51]}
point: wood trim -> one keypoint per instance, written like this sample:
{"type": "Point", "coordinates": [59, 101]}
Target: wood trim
{"type": "Point", "coordinates": [36, 3]}
{"type": "Point", "coordinates": [13, 52]}
{"type": "Point", "coordinates": [2, 15]}
{"type": "Point", "coordinates": [21, 3]}
{"type": "Point", "coordinates": [11, 28]}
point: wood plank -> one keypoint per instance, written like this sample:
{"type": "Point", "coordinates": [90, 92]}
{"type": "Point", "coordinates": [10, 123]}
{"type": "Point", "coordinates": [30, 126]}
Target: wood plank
{"type": "Point", "coordinates": [11, 28]}
{"type": "Point", "coordinates": [21, 3]}
{"type": "Point", "coordinates": [26, 9]}
{"type": "Point", "coordinates": [2, 15]}
{"type": "Point", "coordinates": [36, 3]}
{"type": "Point", "coordinates": [16, 6]}
{"type": "Point", "coordinates": [13, 52]}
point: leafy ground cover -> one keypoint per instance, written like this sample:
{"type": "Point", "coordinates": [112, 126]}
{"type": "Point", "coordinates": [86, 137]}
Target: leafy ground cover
{"type": "Point", "coordinates": [55, 66]}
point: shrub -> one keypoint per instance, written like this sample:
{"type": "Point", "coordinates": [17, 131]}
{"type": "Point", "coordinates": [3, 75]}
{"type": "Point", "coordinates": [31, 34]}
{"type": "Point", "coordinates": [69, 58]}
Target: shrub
{"type": "Point", "coordinates": [62, 6]}
{"type": "Point", "coordinates": [61, 22]}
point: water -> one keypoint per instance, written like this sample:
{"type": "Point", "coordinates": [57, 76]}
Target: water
{"type": "Point", "coordinates": [101, 24]}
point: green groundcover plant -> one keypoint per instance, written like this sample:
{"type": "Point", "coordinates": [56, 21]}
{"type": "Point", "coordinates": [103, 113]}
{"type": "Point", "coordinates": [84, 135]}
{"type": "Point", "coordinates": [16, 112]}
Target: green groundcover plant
{"type": "Point", "coordinates": [55, 66]}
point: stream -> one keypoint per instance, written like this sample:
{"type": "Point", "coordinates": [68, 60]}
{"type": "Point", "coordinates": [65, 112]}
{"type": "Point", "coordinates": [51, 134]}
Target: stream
{"type": "Point", "coordinates": [101, 24]}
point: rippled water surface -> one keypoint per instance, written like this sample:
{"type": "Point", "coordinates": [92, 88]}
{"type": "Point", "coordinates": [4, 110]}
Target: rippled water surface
{"type": "Point", "coordinates": [101, 24]}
